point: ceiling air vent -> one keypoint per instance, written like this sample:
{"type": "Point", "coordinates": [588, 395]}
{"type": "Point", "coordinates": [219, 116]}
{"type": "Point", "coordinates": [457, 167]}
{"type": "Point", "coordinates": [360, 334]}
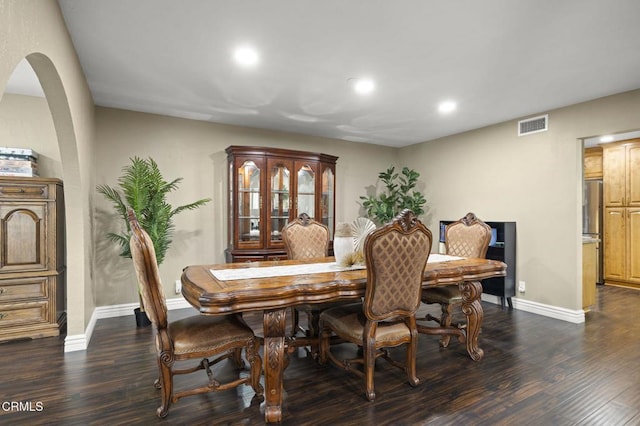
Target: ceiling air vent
{"type": "Point", "coordinates": [533, 125]}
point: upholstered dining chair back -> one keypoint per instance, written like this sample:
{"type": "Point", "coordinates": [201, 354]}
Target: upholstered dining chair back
{"type": "Point", "coordinates": [206, 338]}
{"type": "Point", "coordinates": [467, 237]}
{"type": "Point", "coordinates": [304, 238]}
{"type": "Point", "coordinates": [396, 255]}
{"type": "Point", "coordinates": [144, 258]}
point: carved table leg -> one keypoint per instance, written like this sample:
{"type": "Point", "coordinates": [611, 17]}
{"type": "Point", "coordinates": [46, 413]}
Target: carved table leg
{"type": "Point", "coordinates": [274, 360]}
{"type": "Point", "coordinates": [472, 308]}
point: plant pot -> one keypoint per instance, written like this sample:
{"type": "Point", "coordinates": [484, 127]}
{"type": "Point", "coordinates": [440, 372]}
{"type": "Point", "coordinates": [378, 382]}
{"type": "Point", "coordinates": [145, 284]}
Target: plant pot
{"type": "Point", "coordinates": [141, 318]}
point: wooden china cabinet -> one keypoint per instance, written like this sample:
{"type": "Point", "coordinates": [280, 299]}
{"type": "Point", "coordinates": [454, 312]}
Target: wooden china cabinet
{"type": "Point", "coordinates": [268, 187]}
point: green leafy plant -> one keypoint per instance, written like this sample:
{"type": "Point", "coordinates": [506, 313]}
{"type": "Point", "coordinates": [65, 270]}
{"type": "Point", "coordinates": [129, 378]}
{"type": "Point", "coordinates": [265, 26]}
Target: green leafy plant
{"type": "Point", "coordinates": [399, 194]}
{"type": "Point", "coordinates": [143, 188]}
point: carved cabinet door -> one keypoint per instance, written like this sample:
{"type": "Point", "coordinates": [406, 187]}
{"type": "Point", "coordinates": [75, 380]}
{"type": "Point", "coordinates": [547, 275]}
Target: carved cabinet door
{"type": "Point", "coordinates": [614, 243]}
{"type": "Point", "coordinates": [23, 237]}
{"type": "Point", "coordinates": [614, 176]}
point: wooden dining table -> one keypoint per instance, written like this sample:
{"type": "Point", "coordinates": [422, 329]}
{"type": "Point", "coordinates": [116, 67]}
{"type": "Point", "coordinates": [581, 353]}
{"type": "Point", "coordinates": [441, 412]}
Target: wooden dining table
{"type": "Point", "coordinates": [274, 286]}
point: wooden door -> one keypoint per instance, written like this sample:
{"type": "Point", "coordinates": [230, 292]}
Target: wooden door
{"type": "Point", "coordinates": [613, 166]}
{"type": "Point", "coordinates": [633, 175]}
{"type": "Point", "coordinates": [614, 244]}
{"type": "Point", "coordinates": [633, 244]}
{"type": "Point", "coordinates": [23, 237]}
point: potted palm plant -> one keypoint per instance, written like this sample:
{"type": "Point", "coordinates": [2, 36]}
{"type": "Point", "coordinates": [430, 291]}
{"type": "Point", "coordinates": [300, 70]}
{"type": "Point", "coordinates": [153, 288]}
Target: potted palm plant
{"type": "Point", "coordinates": [143, 189]}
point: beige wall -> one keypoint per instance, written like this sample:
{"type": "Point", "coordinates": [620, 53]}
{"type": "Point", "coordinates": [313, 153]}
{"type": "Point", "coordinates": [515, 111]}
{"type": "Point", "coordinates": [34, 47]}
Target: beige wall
{"type": "Point", "coordinates": [533, 180]}
{"type": "Point", "coordinates": [25, 122]}
{"type": "Point", "coordinates": [194, 150]}
{"type": "Point", "coordinates": [35, 29]}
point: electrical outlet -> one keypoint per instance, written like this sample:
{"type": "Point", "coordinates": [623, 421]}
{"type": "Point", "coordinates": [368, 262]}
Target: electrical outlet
{"type": "Point", "coordinates": [521, 287]}
{"type": "Point", "coordinates": [178, 287]}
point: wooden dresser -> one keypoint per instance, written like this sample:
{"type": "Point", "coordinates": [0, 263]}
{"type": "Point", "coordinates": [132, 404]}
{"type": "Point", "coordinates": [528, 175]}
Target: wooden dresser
{"type": "Point", "coordinates": [32, 258]}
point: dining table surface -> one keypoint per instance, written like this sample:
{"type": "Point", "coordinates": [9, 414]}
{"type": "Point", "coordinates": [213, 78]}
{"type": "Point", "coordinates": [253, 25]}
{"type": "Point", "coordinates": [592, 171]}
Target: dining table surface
{"type": "Point", "coordinates": [274, 286]}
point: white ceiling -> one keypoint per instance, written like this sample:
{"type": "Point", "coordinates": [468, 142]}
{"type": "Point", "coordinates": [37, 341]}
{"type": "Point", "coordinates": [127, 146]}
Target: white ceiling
{"type": "Point", "coordinates": [498, 59]}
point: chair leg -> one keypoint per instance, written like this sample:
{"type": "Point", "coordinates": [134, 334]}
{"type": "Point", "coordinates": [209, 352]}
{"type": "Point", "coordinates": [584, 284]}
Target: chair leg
{"type": "Point", "coordinates": [295, 320]}
{"type": "Point", "coordinates": [369, 365]}
{"type": "Point", "coordinates": [410, 362]}
{"type": "Point", "coordinates": [255, 365]}
{"type": "Point", "coordinates": [314, 323]}
{"type": "Point", "coordinates": [237, 358]}
{"type": "Point", "coordinates": [324, 344]}
{"type": "Point", "coordinates": [314, 331]}
{"type": "Point", "coordinates": [445, 321]}
{"type": "Point", "coordinates": [166, 387]}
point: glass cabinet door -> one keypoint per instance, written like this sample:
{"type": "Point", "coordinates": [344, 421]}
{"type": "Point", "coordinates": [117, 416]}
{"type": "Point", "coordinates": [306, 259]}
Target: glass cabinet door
{"type": "Point", "coordinates": [327, 210]}
{"type": "Point", "coordinates": [306, 189]}
{"type": "Point", "coordinates": [249, 203]}
{"type": "Point", "coordinates": [279, 199]}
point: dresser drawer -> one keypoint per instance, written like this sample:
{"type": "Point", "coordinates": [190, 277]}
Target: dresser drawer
{"type": "Point", "coordinates": [22, 191]}
{"type": "Point", "coordinates": [13, 315]}
{"type": "Point", "coordinates": [24, 288]}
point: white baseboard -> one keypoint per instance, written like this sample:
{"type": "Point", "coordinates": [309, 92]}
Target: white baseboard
{"type": "Point", "coordinates": [490, 298]}
{"type": "Point", "coordinates": [77, 342]}
{"type": "Point", "coordinates": [80, 342]}
{"type": "Point", "coordinates": [564, 314]}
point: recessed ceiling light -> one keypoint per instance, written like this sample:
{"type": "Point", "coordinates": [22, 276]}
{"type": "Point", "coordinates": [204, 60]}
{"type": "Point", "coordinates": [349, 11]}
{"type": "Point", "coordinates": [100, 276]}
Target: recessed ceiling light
{"type": "Point", "coordinates": [607, 138]}
{"type": "Point", "coordinates": [446, 107]}
{"type": "Point", "coordinates": [362, 86]}
{"type": "Point", "coordinates": [246, 56]}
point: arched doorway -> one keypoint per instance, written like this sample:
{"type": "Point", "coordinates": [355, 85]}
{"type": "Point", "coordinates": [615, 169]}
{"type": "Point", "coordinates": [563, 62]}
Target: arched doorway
{"type": "Point", "coordinates": [59, 142]}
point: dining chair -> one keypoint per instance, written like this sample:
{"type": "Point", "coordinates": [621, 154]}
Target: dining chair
{"type": "Point", "coordinates": [304, 238]}
{"type": "Point", "coordinates": [395, 256]}
{"type": "Point", "coordinates": [467, 237]}
{"type": "Point", "coordinates": [211, 339]}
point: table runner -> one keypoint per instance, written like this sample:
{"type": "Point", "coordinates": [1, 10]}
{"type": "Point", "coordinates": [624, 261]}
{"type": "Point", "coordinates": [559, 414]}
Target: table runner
{"type": "Point", "coordinates": [308, 268]}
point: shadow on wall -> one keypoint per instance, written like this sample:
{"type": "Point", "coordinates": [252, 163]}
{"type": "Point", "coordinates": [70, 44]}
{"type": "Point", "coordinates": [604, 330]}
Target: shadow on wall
{"type": "Point", "coordinates": [220, 204]}
{"type": "Point", "coordinates": [114, 275]}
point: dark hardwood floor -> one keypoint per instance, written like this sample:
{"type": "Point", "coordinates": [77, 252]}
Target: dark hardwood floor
{"type": "Point", "coordinates": [536, 371]}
